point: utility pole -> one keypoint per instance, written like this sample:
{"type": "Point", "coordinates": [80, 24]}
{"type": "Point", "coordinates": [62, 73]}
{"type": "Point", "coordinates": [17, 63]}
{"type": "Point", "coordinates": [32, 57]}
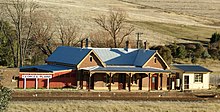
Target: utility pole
{"type": "Point", "coordinates": [138, 38]}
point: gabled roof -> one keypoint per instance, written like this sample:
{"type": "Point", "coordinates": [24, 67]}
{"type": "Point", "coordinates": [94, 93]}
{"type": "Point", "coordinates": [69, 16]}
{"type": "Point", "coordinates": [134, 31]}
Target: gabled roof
{"type": "Point", "coordinates": [68, 55]}
{"type": "Point", "coordinates": [110, 56]}
{"type": "Point", "coordinates": [47, 68]}
{"type": "Point", "coordinates": [143, 56]}
{"type": "Point", "coordinates": [191, 68]}
{"type": "Point", "coordinates": [116, 56]}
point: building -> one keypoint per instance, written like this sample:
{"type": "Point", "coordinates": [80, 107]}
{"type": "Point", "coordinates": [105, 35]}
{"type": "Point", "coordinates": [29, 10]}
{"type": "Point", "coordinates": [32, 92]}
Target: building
{"type": "Point", "coordinates": [190, 77]}
{"type": "Point", "coordinates": [99, 69]}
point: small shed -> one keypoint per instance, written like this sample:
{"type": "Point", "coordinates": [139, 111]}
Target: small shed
{"type": "Point", "coordinates": [192, 77]}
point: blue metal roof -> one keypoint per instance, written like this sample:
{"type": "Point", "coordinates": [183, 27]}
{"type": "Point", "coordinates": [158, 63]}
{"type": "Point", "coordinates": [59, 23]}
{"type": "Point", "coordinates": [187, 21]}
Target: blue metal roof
{"type": "Point", "coordinates": [143, 56]}
{"type": "Point", "coordinates": [129, 69]}
{"type": "Point", "coordinates": [191, 68]}
{"type": "Point", "coordinates": [110, 56]}
{"type": "Point", "coordinates": [68, 55]}
{"type": "Point", "coordinates": [48, 68]}
{"type": "Point", "coordinates": [121, 56]}
{"type": "Point", "coordinates": [116, 56]}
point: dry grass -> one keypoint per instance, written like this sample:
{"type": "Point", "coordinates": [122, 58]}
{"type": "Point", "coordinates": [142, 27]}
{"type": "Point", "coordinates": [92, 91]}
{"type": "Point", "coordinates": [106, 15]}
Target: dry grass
{"type": "Point", "coordinates": [185, 32]}
{"type": "Point", "coordinates": [183, 19]}
{"type": "Point", "coordinates": [112, 106]}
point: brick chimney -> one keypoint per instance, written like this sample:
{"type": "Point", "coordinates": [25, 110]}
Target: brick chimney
{"type": "Point", "coordinates": [85, 43]}
{"type": "Point", "coordinates": [88, 43]}
{"type": "Point", "coordinates": [127, 45]}
{"type": "Point", "coordinates": [146, 45]}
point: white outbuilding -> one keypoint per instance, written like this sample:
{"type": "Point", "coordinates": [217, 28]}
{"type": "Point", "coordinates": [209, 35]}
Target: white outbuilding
{"type": "Point", "coordinates": [192, 77]}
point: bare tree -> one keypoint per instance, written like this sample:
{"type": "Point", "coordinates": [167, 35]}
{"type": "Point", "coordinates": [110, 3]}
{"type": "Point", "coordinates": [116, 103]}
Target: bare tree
{"type": "Point", "coordinates": [115, 25]}
{"type": "Point", "coordinates": [68, 32]}
{"type": "Point", "coordinates": [98, 40]}
{"type": "Point", "coordinates": [43, 32]}
{"type": "Point", "coordinates": [20, 13]}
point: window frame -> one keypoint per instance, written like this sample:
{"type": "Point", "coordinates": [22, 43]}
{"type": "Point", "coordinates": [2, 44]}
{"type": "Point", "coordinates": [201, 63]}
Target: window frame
{"type": "Point", "coordinates": [198, 77]}
{"type": "Point", "coordinates": [155, 60]}
{"type": "Point", "coordinates": [90, 58]}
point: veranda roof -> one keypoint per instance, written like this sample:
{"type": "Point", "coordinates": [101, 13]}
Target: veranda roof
{"type": "Point", "coordinates": [125, 69]}
{"type": "Point", "coordinates": [44, 68]}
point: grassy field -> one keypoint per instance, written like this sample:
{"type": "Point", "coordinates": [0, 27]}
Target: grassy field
{"type": "Point", "coordinates": [186, 32]}
{"type": "Point", "coordinates": [112, 106]}
{"type": "Point", "coordinates": [161, 21]}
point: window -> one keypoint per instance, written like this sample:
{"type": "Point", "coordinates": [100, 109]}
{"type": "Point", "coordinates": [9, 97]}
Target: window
{"type": "Point", "coordinates": [155, 60]}
{"type": "Point", "coordinates": [198, 77]}
{"type": "Point", "coordinates": [90, 58]}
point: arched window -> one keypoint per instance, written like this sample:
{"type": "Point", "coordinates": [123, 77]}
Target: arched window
{"type": "Point", "coordinates": [155, 60]}
{"type": "Point", "coordinates": [90, 58]}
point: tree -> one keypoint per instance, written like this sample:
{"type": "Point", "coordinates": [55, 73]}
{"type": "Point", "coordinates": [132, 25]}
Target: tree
{"type": "Point", "coordinates": [115, 25]}
{"type": "Point", "coordinates": [5, 97]}
{"type": "Point", "coordinates": [7, 45]}
{"type": "Point", "coordinates": [173, 47]}
{"type": "Point", "coordinates": [165, 52]}
{"type": "Point", "coordinates": [43, 33]}
{"type": "Point", "coordinates": [199, 50]}
{"type": "Point", "coordinates": [68, 33]}
{"type": "Point", "coordinates": [206, 54]}
{"type": "Point", "coordinates": [20, 15]}
{"type": "Point", "coordinates": [215, 37]}
{"type": "Point", "coordinates": [194, 60]}
{"type": "Point", "coordinates": [181, 52]}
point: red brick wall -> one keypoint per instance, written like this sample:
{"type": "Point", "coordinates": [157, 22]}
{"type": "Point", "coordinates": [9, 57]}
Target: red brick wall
{"type": "Point", "coordinates": [159, 63]}
{"type": "Point", "coordinates": [87, 63]}
{"type": "Point", "coordinates": [59, 80]}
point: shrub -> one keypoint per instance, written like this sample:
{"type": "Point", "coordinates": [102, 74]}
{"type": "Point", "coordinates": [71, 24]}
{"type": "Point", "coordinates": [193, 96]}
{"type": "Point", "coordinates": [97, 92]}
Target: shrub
{"type": "Point", "coordinates": [199, 50]}
{"type": "Point", "coordinates": [181, 52]}
{"type": "Point", "coordinates": [206, 54]}
{"type": "Point", "coordinates": [165, 52]}
{"type": "Point", "coordinates": [213, 53]}
{"type": "Point", "coordinates": [5, 97]}
{"type": "Point", "coordinates": [194, 60]}
{"type": "Point", "coordinates": [215, 37]}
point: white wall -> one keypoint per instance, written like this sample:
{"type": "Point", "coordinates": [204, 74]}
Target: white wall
{"type": "Point", "coordinates": [196, 85]}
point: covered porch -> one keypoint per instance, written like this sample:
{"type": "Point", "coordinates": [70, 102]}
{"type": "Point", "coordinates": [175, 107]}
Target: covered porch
{"type": "Point", "coordinates": [123, 78]}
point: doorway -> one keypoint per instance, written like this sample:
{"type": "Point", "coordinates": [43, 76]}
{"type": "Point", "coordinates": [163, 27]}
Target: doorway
{"type": "Point", "coordinates": [186, 82]}
{"type": "Point", "coordinates": [121, 81]}
{"type": "Point", "coordinates": [154, 82]}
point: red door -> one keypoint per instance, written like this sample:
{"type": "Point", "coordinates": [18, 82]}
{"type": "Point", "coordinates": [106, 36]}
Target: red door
{"type": "Point", "coordinates": [154, 82]}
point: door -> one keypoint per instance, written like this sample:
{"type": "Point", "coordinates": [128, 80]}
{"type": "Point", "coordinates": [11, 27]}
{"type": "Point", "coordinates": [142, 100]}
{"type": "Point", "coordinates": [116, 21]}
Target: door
{"type": "Point", "coordinates": [92, 83]}
{"type": "Point", "coordinates": [122, 81]}
{"type": "Point", "coordinates": [140, 82]}
{"type": "Point", "coordinates": [154, 82]}
{"type": "Point", "coordinates": [186, 82]}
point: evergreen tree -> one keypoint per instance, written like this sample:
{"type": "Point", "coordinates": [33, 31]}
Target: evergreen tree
{"type": "Point", "coordinates": [199, 50]}
{"type": "Point", "coordinates": [181, 52]}
{"type": "Point", "coordinates": [5, 97]}
{"type": "Point", "coordinates": [215, 37]}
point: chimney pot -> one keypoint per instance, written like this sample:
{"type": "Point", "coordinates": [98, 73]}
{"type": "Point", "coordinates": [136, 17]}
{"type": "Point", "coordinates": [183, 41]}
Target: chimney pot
{"type": "Point", "coordinates": [146, 45]}
{"type": "Point", "coordinates": [128, 45]}
{"type": "Point", "coordinates": [85, 43]}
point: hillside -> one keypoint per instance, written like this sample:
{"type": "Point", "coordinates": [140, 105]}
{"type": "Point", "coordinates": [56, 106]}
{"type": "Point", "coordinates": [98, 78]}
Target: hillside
{"type": "Point", "coordinates": [161, 21]}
